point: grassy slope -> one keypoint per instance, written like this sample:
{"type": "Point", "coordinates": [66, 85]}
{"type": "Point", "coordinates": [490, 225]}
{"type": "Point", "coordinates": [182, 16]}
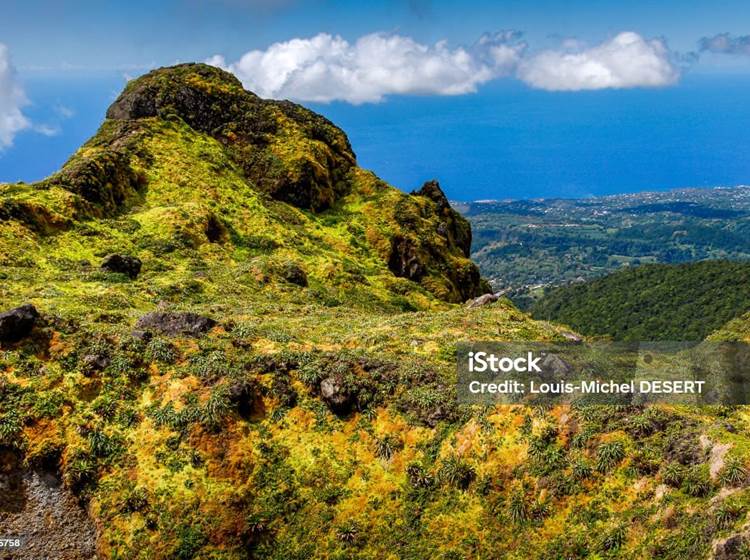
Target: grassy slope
{"type": "Point", "coordinates": [175, 465]}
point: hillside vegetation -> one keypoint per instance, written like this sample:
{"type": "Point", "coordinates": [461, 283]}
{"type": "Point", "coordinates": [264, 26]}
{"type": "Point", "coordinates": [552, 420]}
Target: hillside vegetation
{"type": "Point", "coordinates": [652, 302]}
{"type": "Point", "coordinates": [242, 346]}
{"type": "Point", "coordinates": [522, 245]}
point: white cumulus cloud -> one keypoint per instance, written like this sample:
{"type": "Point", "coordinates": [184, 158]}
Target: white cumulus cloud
{"type": "Point", "coordinates": [625, 61]}
{"type": "Point", "coordinates": [326, 67]}
{"type": "Point", "coordinates": [12, 99]}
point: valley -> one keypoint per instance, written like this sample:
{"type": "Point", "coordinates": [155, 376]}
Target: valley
{"type": "Point", "coordinates": [524, 246]}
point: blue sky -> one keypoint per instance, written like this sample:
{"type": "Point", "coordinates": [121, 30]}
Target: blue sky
{"type": "Point", "coordinates": [496, 99]}
{"type": "Point", "coordinates": [110, 34]}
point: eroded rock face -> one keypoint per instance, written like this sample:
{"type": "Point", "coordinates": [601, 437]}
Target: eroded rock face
{"type": "Point", "coordinates": [36, 507]}
{"type": "Point", "coordinates": [17, 323]}
{"type": "Point", "coordinates": [175, 323]}
{"type": "Point", "coordinates": [404, 260]}
{"type": "Point", "coordinates": [105, 179]}
{"type": "Point", "coordinates": [454, 225]}
{"type": "Point", "coordinates": [433, 246]}
{"type": "Point", "coordinates": [124, 264]}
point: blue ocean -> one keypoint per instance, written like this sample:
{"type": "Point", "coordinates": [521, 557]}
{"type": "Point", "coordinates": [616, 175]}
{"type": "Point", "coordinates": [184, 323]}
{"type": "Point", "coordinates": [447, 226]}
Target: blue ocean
{"type": "Point", "coordinates": [506, 141]}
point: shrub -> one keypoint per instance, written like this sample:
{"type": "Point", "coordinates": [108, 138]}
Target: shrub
{"type": "Point", "coordinates": [348, 532]}
{"type": "Point", "coordinates": [190, 541]}
{"type": "Point", "coordinates": [517, 508]}
{"type": "Point", "coordinates": [105, 446]}
{"type": "Point", "coordinates": [581, 470]}
{"type": "Point", "coordinates": [388, 445]}
{"type": "Point", "coordinates": [697, 482]}
{"type": "Point", "coordinates": [673, 475]}
{"type": "Point", "coordinates": [211, 366]}
{"type": "Point", "coordinates": [80, 470]}
{"type": "Point", "coordinates": [614, 539]}
{"type": "Point", "coordinates": [727, 513]}
{"type": "Point", "coordinates": [734, 473]}
{"type": "Point", "coordinates": [217, 407]}
{"type": "Point", "coordinates": [609, 455]}
{"type": "Point", "coordinates": [10, 427]}
{"type": "Point", "coordinates": [539, 510]}
{"type": "Point", "coordinates": [456, 472]}
{"type": "Point", "coordinates": [160, 350]}
{"type": "Point", "coordinates": [418, 476]}
{"type": "Point", "coordinates": [136, 500]}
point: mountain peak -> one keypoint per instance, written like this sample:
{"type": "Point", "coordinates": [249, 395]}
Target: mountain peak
{"type": "Point", "coordinates": [213, 101]}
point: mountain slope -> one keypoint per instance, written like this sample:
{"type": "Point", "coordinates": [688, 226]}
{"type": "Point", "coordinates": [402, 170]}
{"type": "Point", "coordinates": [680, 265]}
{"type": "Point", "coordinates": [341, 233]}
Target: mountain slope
{"type": "Point", "coordinates": [190, 161]}
{"type": "Point", "coordinates": [244, 348]}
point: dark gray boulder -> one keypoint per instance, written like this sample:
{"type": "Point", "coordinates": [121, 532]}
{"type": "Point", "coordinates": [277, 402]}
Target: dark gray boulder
{"type": "Point", "coordinates": [175, 323]}
{"type": "Point", "coordinates": [294, 274]}
{"type": "Point", "coordinates": [17, 323]}
{"type": "Point", "coordinates": [482, 300]}
{"type": "Point", "coordinates": [730, 548]}
{"type": "Point", "coordinates": [95, 362]}
{"type": "Point", "coordinates": [124, 264]}
{"type": "Point", "coordinates": [555, 367]}
{"type": "Point", "coordinates": [335, 394]}
{"type": "Point", "coordinates": [242, 395]}
{"type": "Point", "coordinates": [454, 226]}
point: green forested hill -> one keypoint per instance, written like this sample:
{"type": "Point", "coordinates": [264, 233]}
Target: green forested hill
{"type": "Point", "coordinates": [653, 302]}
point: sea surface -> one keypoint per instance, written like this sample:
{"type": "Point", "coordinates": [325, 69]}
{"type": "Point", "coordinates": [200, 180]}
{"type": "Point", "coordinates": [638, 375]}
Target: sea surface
{"type": "Point", "coordinates": [506, 141]}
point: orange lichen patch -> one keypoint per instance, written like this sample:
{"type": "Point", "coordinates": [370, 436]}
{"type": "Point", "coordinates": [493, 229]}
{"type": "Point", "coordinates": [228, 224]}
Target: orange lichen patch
{"type": "Point", "coordinates": [613, 436]}
{"type": "Point", "coordinates": [517, 420]}
{"type": "Point", "coordinates": [509, 455]}
{"type": "Point", "coordinates": [57, 345]}
{"type": "Point", "coordinates": [158, 384]}
{"type": "Point", "coordinates": [351, 508]}
{"type": "Point", "coordinates": [186, 345]}
{"type": "Point", "coordinates": [266, 346]}
{"type": "Point", "coordinates": [240, 459]}
{"type": "Point", "coordinates": [11, 377]}
{"type": "Point", "coordinates": [466, 438]}
{"type": "Point", "coordinates": [212, 445]}
{"type": "Point", "coordinates": [302, 418]}
{"type": "Point", "coordinates": [175, 389]}
{"type": "Point", "coordinates": [42, 436]}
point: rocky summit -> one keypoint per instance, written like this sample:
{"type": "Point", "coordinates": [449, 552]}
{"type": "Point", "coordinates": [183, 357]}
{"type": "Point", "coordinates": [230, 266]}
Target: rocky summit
{"type": "Point", "coordinates": [221, 338]}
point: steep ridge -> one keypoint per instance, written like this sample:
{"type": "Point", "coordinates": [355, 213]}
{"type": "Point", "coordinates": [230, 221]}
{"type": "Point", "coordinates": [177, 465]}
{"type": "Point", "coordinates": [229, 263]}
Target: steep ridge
{"type": "Point", "coordinates": [242, 345]}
